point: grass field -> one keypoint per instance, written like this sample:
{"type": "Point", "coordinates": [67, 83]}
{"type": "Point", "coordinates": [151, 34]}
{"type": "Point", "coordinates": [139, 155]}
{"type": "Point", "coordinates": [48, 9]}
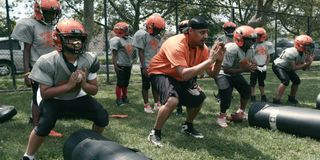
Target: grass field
{"type": "Point", "coordinates": [238, 141]}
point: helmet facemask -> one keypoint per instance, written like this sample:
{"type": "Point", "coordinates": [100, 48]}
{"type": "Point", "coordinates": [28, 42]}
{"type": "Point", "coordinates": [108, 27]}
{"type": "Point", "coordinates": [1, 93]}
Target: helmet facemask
{"type": "Point", "coordinates": [155, 24]}
{"type": "Point", "coordinates": [248, 42]}
{"type": "Point", "coordinates": [47, 12]}
{"type": "Point", "coordinates": [122, 30]}
{"type": "Point", "coordinates": [51, 17]}
{"type": "Point", "coordinates": [73, 43]}
{"type": "Point", "coordinates": [157, 31]}
{"type": "Point", "coordinates": [229, 31]}
{"type": "Point", "coordinates": [309, 48]}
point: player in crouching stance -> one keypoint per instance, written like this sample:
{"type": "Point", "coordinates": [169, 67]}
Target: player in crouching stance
{"type": "Point", "coordinates": [67, 78]}
{"type": "Point", "coordinates": [291, 59]}
{"type": "Point", "coordinates": [172, 70]}
{"type": "Point", "coordinates": [235, 62]}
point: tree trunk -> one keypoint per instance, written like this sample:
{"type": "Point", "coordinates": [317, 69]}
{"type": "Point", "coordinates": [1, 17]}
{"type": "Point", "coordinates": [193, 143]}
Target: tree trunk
{"type": "Point", "coordinates": [88, 7]}
{"type": "Point", "coordinates": [261, 15]}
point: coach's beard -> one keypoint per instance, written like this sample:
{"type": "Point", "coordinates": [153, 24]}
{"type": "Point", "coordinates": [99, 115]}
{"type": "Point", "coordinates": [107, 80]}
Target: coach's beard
{"type": "Point", "coordinates": [201, 46]}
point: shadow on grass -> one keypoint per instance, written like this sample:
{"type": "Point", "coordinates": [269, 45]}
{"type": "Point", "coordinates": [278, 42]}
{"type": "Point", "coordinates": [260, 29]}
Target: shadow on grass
{"type": "Point", "coordinates": [215, 143]}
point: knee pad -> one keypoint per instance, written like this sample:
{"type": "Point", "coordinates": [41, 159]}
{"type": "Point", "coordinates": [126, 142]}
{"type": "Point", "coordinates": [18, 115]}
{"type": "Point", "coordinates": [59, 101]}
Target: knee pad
{"type": "Point", "coordinates": [253, 83]}
{"type": "Point", "coordinates": [296, 81]}
{"type": "Point", "coordinates": [261, 84]}
{"type": "Point", "coordinates": [222, 82]}
{"type": "Point", "coordinates": [42, 132]}
{"type": "Point", "coordinates": [146, 86]}
{"type": "Point", "coordinates": [285, 82]}
{"type": "Point", "coordinates": [226, 95]}
{"type": "Point", "coordinates": [102, 118]}
{"type": "Point", "coordinates": [246, 93]}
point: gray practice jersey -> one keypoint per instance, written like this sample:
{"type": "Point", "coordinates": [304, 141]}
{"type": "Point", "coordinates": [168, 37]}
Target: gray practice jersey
{"type": "Point", "coordinates": [29, 30]}
{"type": "Point", "coordinates": [150, 44]}
{"type": "Point", "coordinates": [234, 55]}
{"type": "Point", "coordinates": [270, 46]}
{"type": "Point", "coordinates": [124, 49]}
{"type": "Point", "coordinates": [288, 56]}
{"type": "Point", "coordinates": [261, 52]}
{"type": "Point", "coordinates": [52, 70]}
{"type": "Point", "coordinates": [225, 39]}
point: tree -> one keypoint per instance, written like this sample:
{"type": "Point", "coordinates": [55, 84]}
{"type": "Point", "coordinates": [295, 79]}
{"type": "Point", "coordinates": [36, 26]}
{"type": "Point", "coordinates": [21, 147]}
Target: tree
{"type": "Point", "coordinates": [261, 14]}
{"type": "Point", "coordinates": [88, 16]}
{"type": "Point", "coordinates": [291, 15]}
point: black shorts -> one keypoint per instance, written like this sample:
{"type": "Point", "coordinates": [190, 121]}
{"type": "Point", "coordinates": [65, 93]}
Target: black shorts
{"type": "Point", "coordinates": [286, 75]}
{"type": "Point", "coordinates": [257, 75]}
{"type": "Point", "coordinates": [83, 107]}
{"type": "Point", "coordinates": [35, 86]}
{"type": "Point", "coordinates": [187, 92]}
{"type": "Point", "coordinates": [227, 83]}
{"type": "Point", "coordinates": [123, 76]}
{"type": "Point", "coordinates": [146, 81]}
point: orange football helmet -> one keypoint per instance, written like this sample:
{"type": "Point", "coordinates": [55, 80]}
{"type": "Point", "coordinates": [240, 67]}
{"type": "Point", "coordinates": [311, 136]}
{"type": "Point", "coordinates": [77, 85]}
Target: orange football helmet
{"type": "Point", "coordinates": [261, 34]}
{"type": "Point", "coordinates": [69, 28]}
{"type": "Point", "coordinates": [229, 24]}
{"type": "Point", "coordinates": [304, 43]}
{"type": "Point", "coordinates": [155, 24]}
{"type": "Point", "coordinates": [228, 28]}
{"type": "Point", "coordinates": [121, 29]}
{"type": "Point", "coordinates": [244, 36]}
{"type": "Point", "coordinates": [47, 11]}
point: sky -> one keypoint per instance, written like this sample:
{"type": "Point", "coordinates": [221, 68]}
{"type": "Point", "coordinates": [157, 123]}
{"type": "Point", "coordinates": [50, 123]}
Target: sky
{"type": "Point", "coordinates": [21, 10]}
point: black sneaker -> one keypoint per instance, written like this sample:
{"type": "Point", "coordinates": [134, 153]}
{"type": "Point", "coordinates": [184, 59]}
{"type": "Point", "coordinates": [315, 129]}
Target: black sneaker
{"type": "Point", "coordinates": [264, 98]}
{"type": "Point", "coordinates": [119, 102]}
{"type": "Point", "coordinates": [292, 100]}
{"type": "Point", "coordinates": [30, 120]}
{"type": "Point", "coordinates": [179, 111]}
{"type": "Point", "coordinates": [189, 130]}
{"type": "Point", "coordinates": [125, 99]}
{"type": "Point", "coordinates": [27, 158]}
{"type": "Point", "coordinates": [155, 139]}
{"type": "Point", "coordinates": [253, 98]}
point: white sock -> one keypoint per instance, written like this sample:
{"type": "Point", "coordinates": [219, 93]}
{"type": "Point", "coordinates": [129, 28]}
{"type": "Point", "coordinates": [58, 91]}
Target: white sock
{"type": "Point", "coordinates": [239, 110]}
{"type": "Point", "coordinates": [30, 157]}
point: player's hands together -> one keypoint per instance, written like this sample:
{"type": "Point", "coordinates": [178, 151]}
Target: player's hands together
{"type": "Point", "coordinates": [309, 58]}
{"type": "Point", "coordinates": [246, 66]}
{"type": "Point", "coordinates": [75, 78]}
{"type": "Point", "coordinates": [84, 75]}
{"type": "Point", "coordinates": [217, 52]}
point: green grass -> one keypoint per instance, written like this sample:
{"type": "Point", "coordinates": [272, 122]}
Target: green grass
{"type": "Point", "coordinates": [239, 141]}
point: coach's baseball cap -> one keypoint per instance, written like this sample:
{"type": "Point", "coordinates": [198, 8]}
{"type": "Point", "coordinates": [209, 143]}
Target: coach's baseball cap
{"type": "Point", "coordinates": [198, 22]}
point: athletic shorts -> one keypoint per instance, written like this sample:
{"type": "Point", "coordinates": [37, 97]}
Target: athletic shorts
{"type": "Point", "coordinates": [83, 107]}
{"type": "Point", "coordinates": [285, 75]}
{"type": "Point", "coordinates": [146, 80]}
{"type": "Point", "coordinates": [123, 76]}
{"type": "Point", "coordinates": [257, 75]}
{"type": "Point", "coordinates": [188, 92]}
{"type": "Point", "coordinates": [35, 86]}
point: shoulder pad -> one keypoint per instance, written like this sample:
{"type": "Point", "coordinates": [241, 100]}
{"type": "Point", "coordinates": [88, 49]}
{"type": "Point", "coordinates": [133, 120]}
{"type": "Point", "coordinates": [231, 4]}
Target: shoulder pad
{"type": "Point", "coordinates": [95, 65]}
{"type": "Point", "coordinates": [232, 48]}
